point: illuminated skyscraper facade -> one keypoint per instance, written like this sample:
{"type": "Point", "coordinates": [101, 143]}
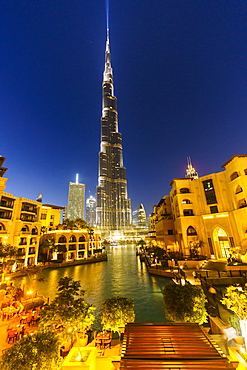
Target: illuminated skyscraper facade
{"type": "Point", "coordinates": [76, 200]}
{"type": "Point", "coordinates": [139, 218]}
{"type": "Point", "coordinates": [91, 211]}
{"type": "Point", "coordinates": [113, 206]}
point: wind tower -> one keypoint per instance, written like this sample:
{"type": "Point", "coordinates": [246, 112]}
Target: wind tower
{"type": "Point", "coordinates": [113, 212]}
{"type": "Point", "coordinates": [190, 171]}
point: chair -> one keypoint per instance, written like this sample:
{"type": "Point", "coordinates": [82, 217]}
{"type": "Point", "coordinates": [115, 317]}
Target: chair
{"type": "Point", "coordinates": [35, 318]}
{"type": "Point", "coordinates": [12, 336]}
{"type": "Point", "coordinates": [107, 343]}
{"type": "Point", "coordinates": [98, 343]}
{"type": "Point", "coordinates": [23, 320]}
{"type": "Point", "coordinates": [3, 315]}
{"type": "Point", "coordinates": [29, 320]}
{"type": "Point", "coordinates": [22, 332]}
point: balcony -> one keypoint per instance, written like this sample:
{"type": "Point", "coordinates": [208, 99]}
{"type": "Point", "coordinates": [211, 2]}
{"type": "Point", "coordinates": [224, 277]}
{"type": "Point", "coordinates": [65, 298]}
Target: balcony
{"type": "Point", "coordinates": [5, 204]}
{"type": "Point", "coordinates": [188, 212]}
{"type": "Point", "coordinates": [5, 215]}
{"type": "Point", "coordinates": [29, 209]}
{"type": "Point", "coordinates": [27, 218]}
{"type": "Point", "coordinates": [21, 252]}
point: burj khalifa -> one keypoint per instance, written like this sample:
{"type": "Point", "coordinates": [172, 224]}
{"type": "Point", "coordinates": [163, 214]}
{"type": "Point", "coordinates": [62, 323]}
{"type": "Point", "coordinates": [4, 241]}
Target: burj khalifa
{"type": "Point", "coordinates": [113, 210]}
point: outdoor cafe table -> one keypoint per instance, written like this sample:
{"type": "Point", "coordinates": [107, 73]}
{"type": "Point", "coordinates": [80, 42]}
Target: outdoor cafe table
{"type": "Point", "coordinates": [102, 338]}
{"type": "Point", "coordinates": [9, 311]}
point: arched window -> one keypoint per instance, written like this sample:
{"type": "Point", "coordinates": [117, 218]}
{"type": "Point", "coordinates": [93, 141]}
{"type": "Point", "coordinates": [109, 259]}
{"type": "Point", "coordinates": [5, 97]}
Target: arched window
{"type": "Point", "coordinates": [82, 239]}
{"type": "Point", "coordinates": [191, 231]}
{"type": "Point", "coordinates": [25, 229]}
{"type": "Point", "coordinates": [184, 190]}
{"type": "Point", "coordinates": [2, 227]}
{"type": "Point", "coordinates": [234, 175]}
{"type": "Point", "coordinates": [238, 189]}
{"type": "Point", "coordinates": [242, 203]}
{"type": "Point", "coordinates": [62, 239]}
{"type": "Point", "coordinates": [35, 231]}
{"type": "Point", "coordinates": [188, 212]}
{"type": "Point", "coordinates": [72, 239]}
{"type": "Point", "coordinates": [186, 201]}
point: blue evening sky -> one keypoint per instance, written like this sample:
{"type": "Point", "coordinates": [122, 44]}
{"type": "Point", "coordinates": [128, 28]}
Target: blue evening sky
{"type": "Point", "coordinates": [180, 76]}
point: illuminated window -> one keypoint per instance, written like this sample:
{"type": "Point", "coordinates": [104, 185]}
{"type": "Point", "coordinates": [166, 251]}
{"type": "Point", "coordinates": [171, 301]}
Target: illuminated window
{"type": "Point", "coordinates": [188, 212]}
{"type": "Point", "coordinates": [238, 189]}
{"type": "Point", "coordinates": [184, 190]}
{"type": "Point", "coordinates": [191, 231]}
{"type": "Point", "coordinates": [209, 191]}
{"type": "Point", "coordinates": [242, 203]}
{"type": "Point", "coordinates": [214, 209]}
{"type": "Point", "coordinates": [233, 176]}
{"type": "Point", "coordinates": [62, 239]}
{"type": "Point", "coordinates": [72, 239]}
{"type": "Point", "coordinates": [186, 201]}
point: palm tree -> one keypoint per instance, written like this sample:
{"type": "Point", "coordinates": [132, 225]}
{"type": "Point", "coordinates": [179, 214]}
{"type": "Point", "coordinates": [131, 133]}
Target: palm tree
{"type": "Point", "coordinates": [49, 245]}
{"type": "Point", "coordinates": [8, 253]}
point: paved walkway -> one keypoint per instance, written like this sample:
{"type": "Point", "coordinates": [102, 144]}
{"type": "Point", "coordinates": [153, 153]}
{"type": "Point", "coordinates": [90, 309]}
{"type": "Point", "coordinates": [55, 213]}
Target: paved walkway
{"type": "Point", "coordinates": [105, 357]}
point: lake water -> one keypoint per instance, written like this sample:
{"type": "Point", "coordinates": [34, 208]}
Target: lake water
{"type": "Point", "coordinates": [123, 274]}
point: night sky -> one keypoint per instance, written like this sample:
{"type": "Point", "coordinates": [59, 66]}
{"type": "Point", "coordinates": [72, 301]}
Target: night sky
{"type": "Point", "coordinates": [180, 77]}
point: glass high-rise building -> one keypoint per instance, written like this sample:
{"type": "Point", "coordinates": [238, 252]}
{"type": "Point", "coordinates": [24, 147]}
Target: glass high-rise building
{"type": "Point", "coordinates": [139, 218]}
{"type": "Point", "coordinates": [113, 206]}
{"type": "Point", "coordinates": [76, 200]}
{"type": "Point", "coordinates": [91, 211]}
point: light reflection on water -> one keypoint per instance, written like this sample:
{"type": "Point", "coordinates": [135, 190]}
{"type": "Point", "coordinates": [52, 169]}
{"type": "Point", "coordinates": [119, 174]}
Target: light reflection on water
{"type": "Point", "coordinates": [123, 274]}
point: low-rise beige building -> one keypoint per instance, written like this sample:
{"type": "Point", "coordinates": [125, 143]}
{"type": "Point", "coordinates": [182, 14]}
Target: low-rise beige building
{"type": "Point", "coordinates": [19, 222]}
{"type": "Point", "coordinates": [50, 217]}
{"type": "Point", "coordinates": [70, 245]}
{"type": "Point", "coordinates": [205, 215]}
{"type": "Point", "coordinates": [26, 224]}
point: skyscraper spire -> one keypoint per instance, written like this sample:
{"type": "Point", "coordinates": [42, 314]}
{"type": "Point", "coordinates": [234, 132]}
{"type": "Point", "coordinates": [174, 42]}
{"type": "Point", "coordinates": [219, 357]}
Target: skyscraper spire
{"type": "Point", "coordinates": [108, 76]}
{"type": "Point", "coordinates": [190, 171]}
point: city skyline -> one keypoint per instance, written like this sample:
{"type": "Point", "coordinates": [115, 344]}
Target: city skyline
{"type": "Point", "coordinates": [180, 80]}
